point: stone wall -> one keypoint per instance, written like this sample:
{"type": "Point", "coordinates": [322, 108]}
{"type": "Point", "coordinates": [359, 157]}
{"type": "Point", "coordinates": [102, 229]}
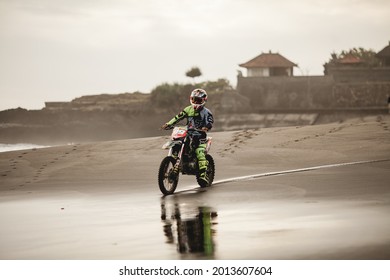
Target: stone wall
{"type": "Point", "coordinates": [361, 95]}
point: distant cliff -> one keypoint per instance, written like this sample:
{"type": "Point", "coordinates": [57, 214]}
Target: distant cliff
{"type": "Point", "coordinates": [133, 115]}
{"type": "Point", "coordinates": [135, 102]}
{"type": "Point", "coordinates": [100, 117]}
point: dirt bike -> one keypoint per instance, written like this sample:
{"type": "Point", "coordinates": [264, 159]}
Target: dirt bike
{"type": "Point", "coordinates": [182, 159]}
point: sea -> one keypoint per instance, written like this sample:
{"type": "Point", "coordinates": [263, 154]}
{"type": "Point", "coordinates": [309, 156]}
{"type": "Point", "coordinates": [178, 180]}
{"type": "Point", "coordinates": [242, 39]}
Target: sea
{"type": "Point", "coordinates": [19, 146]}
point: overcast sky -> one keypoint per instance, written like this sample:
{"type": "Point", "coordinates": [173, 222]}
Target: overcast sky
{"type": "Point", "coordinates": [57, 50]}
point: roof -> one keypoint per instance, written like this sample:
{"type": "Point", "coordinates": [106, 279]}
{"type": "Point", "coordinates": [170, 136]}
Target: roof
{"type": "Point", "coordinates": [385, 52]}
{"type": "Point", "coordinates": [267, 60]}
{"type": "Point", "coordinates": [350, 59]}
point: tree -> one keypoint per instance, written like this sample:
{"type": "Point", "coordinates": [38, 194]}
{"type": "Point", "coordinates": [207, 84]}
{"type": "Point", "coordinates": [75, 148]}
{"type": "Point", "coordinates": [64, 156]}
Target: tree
{"type": "Point", "coordinates": [172, 96]}
{"type": "Point", "coordinates": [193, 73]}
{"type": "Point", "coordinates": [169, 95]}
{"type": "Point", "coordinates": [217, 86]}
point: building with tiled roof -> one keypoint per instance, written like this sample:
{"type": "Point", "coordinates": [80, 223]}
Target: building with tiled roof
{"type": "Point", "coordinates": [269, 64]}
{"type": "Point", "coordinates": [350, 59]}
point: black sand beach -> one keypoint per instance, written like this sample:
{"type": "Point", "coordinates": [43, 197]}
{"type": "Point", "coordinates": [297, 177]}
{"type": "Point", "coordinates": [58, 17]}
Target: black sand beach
{"type": "Point", "coordinates": [101, 200]}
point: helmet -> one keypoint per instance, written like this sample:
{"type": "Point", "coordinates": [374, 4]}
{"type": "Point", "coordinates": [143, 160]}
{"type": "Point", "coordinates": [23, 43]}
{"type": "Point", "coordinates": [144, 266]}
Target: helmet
{"type": "Point", "coordinates": [198, 98]}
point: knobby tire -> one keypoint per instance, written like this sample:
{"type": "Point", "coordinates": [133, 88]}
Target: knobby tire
{"type": "Point", "coordinates": [165, 169]}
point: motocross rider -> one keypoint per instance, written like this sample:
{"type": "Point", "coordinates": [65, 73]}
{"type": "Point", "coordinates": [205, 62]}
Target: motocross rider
{"type": "Point", "coordinates": [200, 118]}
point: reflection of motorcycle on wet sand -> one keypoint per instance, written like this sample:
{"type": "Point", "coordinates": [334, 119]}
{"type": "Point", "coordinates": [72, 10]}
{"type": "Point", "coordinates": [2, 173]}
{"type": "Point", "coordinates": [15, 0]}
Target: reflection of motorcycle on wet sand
{"type": "Point", "coordinates": [182, 159]}
{"type": "Point", "coordinates": [192, 232]}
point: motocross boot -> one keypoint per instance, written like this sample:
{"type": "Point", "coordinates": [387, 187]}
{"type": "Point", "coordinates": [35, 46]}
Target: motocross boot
{"type": "Point", "coordinates": [202, 163]}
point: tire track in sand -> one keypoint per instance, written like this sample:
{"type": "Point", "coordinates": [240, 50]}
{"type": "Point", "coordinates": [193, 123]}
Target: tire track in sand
{"type": "Point", "coordinates": [284, 172]}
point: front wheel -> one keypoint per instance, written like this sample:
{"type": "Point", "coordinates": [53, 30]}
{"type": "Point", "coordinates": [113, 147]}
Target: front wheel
{"type": "Point", "coordinates": [167, 178]}
{"type": "Point", "coordinates": [210, 172]}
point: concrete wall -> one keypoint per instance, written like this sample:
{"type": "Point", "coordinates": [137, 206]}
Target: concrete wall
{"type": "Point", "coordinates": [287, 92]}
{"type": "Point", "coordinates": [349, 89]}
{"type": "Point", "coordinates": [355, 74]}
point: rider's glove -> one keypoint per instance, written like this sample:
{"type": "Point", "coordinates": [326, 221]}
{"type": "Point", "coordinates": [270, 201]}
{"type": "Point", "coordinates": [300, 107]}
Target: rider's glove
{"type": "Point", "coordinates": [165, 126]}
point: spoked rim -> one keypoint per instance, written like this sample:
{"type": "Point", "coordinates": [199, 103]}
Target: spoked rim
{"type": "Point", "coordinates": [169, 177]}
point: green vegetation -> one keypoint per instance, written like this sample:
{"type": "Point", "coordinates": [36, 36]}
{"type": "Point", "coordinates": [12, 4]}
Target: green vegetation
{"type": "Point", "coordinates": [361, 56]}
{"type": "Point", "coordinates": [175, 95]}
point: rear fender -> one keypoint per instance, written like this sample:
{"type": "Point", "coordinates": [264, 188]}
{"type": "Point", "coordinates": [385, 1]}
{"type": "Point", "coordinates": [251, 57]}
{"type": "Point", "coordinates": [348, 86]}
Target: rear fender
{"type": "Point", "coordinates": [208, 144]}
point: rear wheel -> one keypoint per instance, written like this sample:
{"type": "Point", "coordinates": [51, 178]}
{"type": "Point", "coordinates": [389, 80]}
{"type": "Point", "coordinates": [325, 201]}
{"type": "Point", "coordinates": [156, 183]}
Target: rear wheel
{"type": "Point", "coordinates": [210, 173]}
{"type": "Point", "coordinates": [167, 178]}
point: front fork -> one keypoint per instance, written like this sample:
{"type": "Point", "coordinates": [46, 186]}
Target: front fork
{"type": "Point", "coordinates": [177, 166]}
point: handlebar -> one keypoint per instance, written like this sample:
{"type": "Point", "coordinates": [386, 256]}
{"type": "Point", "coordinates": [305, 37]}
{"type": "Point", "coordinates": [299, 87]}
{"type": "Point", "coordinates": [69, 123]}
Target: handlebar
{"type": "Point", "coordinates": [169, 127]}
{"type": "Point", "coordinates": [197, 129]}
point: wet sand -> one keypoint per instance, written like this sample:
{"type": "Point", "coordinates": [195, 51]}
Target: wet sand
{"type": "Point", "coordinates": [101, 200]}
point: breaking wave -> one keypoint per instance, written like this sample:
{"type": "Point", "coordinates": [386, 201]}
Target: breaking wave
{"type": "Point", "coordinates": [19, 146]}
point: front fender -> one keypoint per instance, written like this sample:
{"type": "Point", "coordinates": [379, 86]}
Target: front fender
{"type": "Point", "coordinates": [170, 144]}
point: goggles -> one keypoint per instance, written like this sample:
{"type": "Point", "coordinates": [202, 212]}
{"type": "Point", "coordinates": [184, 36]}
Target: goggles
{"type": "Point", "coordinates": [197, 100]}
